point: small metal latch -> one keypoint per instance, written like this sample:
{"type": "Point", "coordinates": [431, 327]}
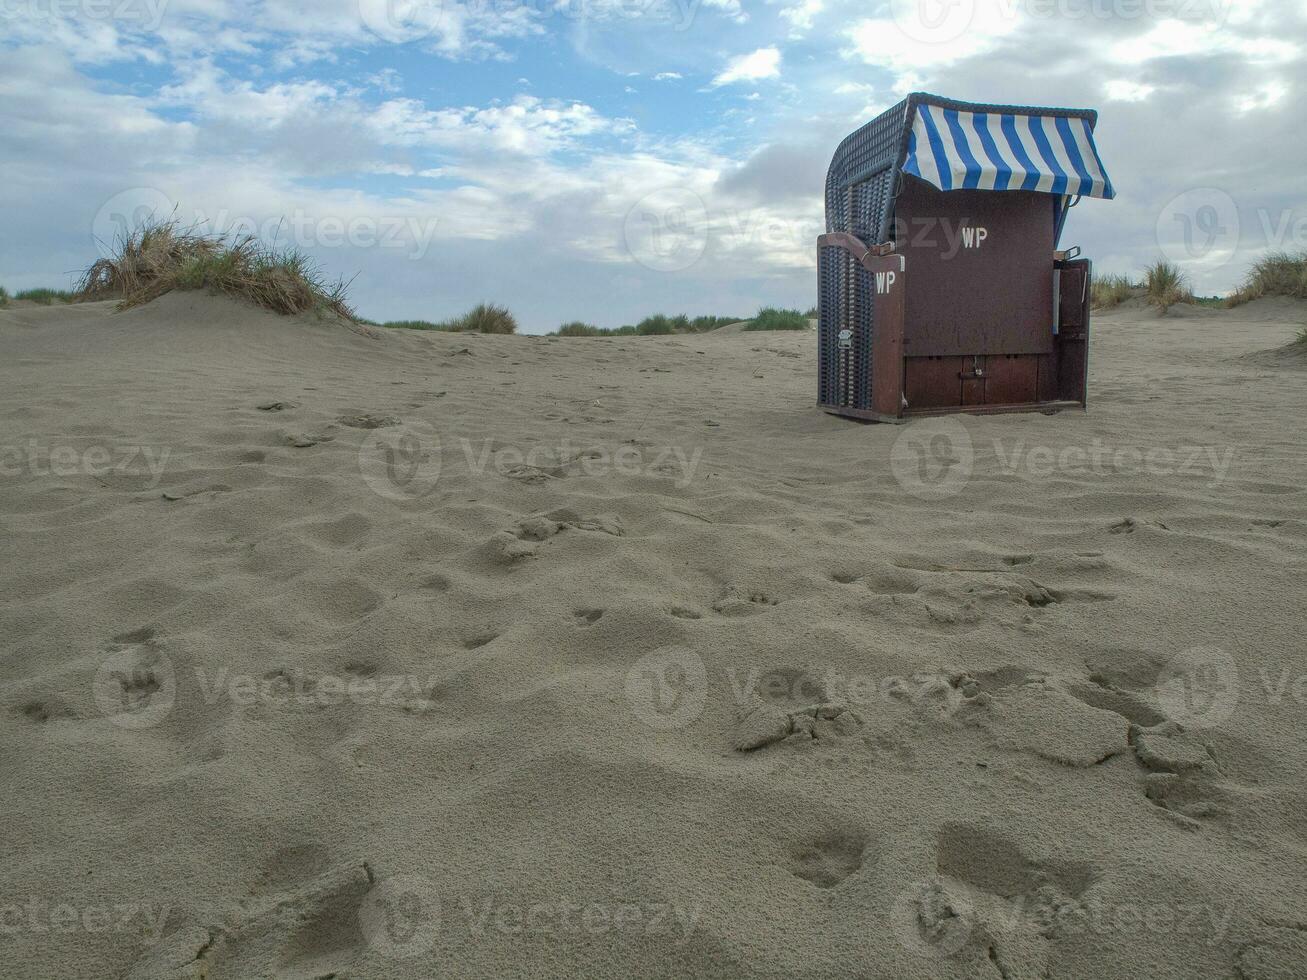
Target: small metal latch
{"type": "Point", "coordinates": [976, 370]}
{"type": "Point", "coordinates": [846, 339]}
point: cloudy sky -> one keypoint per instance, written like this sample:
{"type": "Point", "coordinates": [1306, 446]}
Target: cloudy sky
{"type": "Point", "coordinates": [605, 159]}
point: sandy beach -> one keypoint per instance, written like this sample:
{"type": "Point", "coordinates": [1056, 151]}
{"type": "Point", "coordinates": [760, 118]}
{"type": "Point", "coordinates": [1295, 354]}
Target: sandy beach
{"type": "Point", "coordinates": [350, 653]}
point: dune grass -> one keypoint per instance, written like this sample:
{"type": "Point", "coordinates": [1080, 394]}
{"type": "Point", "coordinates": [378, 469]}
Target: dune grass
{"type": "Point", "coordinates": [703, 324]}
{"type": "Point", "coordinates": [487, 318]}
{"type": "Point", "coordinates": [160, 256]}
{"type": "Point", "coordinates": [482, 318]}
{"type": "Point", "coordinates": [1111, 290]}
{"type": "Point", "coordinates": [4, 297]}
{"type": "Point", "coordinates": [46, 297]}
{"type": "Point", "coordinates": [1165, 285]}
{"type": "Point", "coordinates": [1274, 274]}
{"type": "Point", "coordinates": [771, 318]}
{"type": "Point", "coordinates": [659, 324]}
{"type": "Point", "coordinates": [579, 328]}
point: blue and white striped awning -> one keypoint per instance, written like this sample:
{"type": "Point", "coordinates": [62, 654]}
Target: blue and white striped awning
{"type": "Point", "coordinates": [955, 150]}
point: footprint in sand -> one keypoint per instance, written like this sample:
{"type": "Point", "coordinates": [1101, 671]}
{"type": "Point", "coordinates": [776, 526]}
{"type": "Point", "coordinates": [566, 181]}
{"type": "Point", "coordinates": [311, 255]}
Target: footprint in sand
{"type": "Point", "coordinates": [790, 705]}
{"type": "Point", "coordinates": [829, 859]}
{"type": "Point", "coordinates": [368, 421]}
{"type": "Point", "coordinates": [1129, 525]}
{"type": "Point", "coordinates": [40, 712]}
{"type": "Point", "coordinates": [479, 640]}
{"type": "Point", "coordinates": [1183, 777]}
{"type": "Point", "coordinates": [541, 527]}
{"type": "Point", "coordinates": [990, 894]}
{"type": "Point", "coordinates": [1039, 716]}
{"type": "Point", "coordinates": [435, 582]}
{"type": "Point", "coordinates": [743, 602]}
{"type": "Point", "coordinates": [316, 928]}
{"type": "Point", "coordinates": [587, 617]}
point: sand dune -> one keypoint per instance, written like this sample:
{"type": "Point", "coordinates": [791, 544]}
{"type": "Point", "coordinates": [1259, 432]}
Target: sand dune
{"type": "Point", "coordinates": [410, 655]}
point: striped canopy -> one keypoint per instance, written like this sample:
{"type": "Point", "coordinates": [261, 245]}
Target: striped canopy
{"type": "Point", "coordinates": [954, 150]}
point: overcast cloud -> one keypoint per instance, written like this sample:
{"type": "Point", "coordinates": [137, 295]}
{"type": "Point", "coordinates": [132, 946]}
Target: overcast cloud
{"type": "Point", "coordinates": [602, 160]}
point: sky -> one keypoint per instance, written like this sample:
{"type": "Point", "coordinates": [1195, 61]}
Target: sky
{"type": "Point", "coordinates": [602, 160]}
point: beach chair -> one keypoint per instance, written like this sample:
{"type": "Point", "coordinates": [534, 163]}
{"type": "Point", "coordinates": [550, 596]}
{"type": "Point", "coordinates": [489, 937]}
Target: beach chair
{"type": "Point", "coordinates": [940, 284]}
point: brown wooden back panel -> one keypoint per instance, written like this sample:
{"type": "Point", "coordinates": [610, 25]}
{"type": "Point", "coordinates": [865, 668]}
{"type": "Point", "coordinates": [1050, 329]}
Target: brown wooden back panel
{"type": "Point", "coordinates": [994, 297]}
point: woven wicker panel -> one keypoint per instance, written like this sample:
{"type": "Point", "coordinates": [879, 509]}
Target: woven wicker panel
{"type": "Point", "coordinates": [868, 151]}
{"type": "Point", "coordinates": [859, 185]}
{"type": "Point", "coordinates": [830, 263]}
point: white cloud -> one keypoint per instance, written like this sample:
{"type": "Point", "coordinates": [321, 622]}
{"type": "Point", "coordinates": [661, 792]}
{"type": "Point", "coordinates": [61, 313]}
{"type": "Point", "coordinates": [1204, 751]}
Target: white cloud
{"type": "Point", "coordinates": [801, 14]}
{"type": "Point", "coordinates": [667, 76]}
{"type": "Point", "coordinates": [763, 63]}
{"type": "Point", "coordinates": [1268, 95]}
{"type": "Point", "coordinates": [1124, 90]}
{"type": "Point", "coordinates": [1179, 39]}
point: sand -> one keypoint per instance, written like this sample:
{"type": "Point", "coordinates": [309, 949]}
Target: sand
{"type": "Point", "coordinates": [648, 667]}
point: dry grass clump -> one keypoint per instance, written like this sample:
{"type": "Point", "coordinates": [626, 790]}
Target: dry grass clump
{"type": "Point", "coordinates": [1274, 274]}
{"type": "Point", "coordinates": [1165, 286]}
{"type": "Point", "coordinates": [770, 318]}
{"type": "Point", "coordinates": [579, 328]}
{"type": "Point", "coordinates": [46, 297]}
{"type": "Point", "coordinates": [1111, 290]}
{"type": "Point", "coordinates": [161, 256]}
{"type": "Point", "coordinates": [482, 318]}
{"type": "Point", "coordinates": [487, 318]}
